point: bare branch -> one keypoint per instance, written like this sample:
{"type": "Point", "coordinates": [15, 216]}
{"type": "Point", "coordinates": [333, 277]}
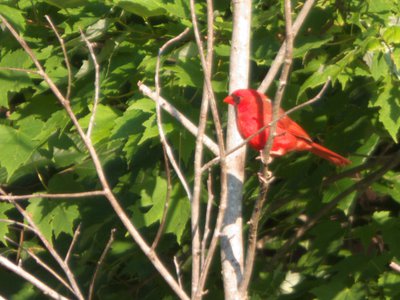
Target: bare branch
{"type": "Point", "coordinates": [29, 277]}
{"type": "Point", "coordinates": [71, 246]}
{"type": "Point", "coordinates": [13, 222]}
{"type": "Point", "coordinates": [168, 154]}
{"type": "Point", "coordinates": [179, 116]}
{"type": "Point", "coordinates": [96, 85]}
{"type": "Point", "coordinates": [221, 146]}
{"type": "Point", "coordinates": [42, 264]}
{"type": "Point", "coordinates": [178, 271]}
{"type": "Point", "coordinates": [64, 50]}
{"type": "Point", "coordinates": [394, 266]}
{"type": "Point", "coordinates": [273, 70]}
{"type": "Point", "coordinates": [20, 70]}
{"type": "Point", "coordinates": [52, 196]}
{"type": "Point", "coordinates": [100, 262]}
{"type": "Point", "coordinates": [53, 252]}
{"type": "Point", "coordinates": [208, 218]}
{"type": "Point", "coordinates": [166, 146]}
{"type": "Point", "coordinates": [197, 252]}
{"type": "Point", "coordinates": [166, 203]}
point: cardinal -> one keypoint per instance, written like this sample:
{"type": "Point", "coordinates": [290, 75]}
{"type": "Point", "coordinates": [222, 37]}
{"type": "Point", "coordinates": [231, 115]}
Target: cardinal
{"type": "Point", "coordinates": [254, 111]}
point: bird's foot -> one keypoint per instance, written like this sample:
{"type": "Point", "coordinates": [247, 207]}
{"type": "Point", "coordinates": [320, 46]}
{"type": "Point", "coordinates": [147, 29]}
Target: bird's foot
{"type": "Point", "coordinates": [266, 179]}
{"type": "Point", "coordinates": [262, 158]}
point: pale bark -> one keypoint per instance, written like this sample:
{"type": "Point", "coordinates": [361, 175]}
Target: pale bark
{"type": "Point", "coordinates": [232, 238]}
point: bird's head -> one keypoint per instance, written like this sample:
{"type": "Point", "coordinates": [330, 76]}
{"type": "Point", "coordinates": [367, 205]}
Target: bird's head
{"type": "Point", "coordinates": [242, 96]}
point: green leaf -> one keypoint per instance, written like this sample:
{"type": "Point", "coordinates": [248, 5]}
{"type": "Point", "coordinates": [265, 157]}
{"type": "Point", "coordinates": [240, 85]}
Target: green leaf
{"type": "Point", "coordinates": [309, 43]}
{"type": "Point", "coordinates": [157, 200]}
{"type": "Point", "coordinates": [144, 105]}
{"type": "Point", "coordinates": [103, 124]}
{"type": "Point", "coordinates": [392, 35]}
{"type": "Point", "coordinates": [335, 189]}
{"type": "Point", "coordinates": [31, 126]}
{"type": "Point", "coordinates": [64, 217]}
{"type": "Point", "coordinates": [66, 3]}
{"type": "Point", "coordinates": [151, 130]}
{"type": "Point", "coordinates": [390, 283]}
{"type": "Point", "coordinates": [13, 81]}
{"type": "Point", "coordinates": [377, 65]}
{"type": "Point", "coordinates": [178, 216]}
{"type": "Point", "coordinates": [188, 73]}
{"type": "Point", "coordinates": [388, 102]}
{"type": "Point", "coordinates": [143, 8]}
{"type": "Point", "coordinates": [53, 217]}
{"type": "Point", "coordinates": [329, 291]}
{"type": "Point", "coordinates": [179, 8]}
{"type": "Point", "coordinates": [14, 16]}
{"type": "Point", "coordinates": [390, 186]}
{"type": "Point", "coordinates": [4, 207]}
{"type": "Point", "coordinates": [389, 227]}
{"type": "Point", "coordinates": [16, 148]}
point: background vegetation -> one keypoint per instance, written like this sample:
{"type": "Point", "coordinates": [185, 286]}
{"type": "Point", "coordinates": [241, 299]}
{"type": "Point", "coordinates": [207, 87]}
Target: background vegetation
{"type": "Point", "coordinates": [349, 251]}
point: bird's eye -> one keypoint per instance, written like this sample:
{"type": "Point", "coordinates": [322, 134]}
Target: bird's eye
{"type": "Point", "coordinates": [236, 98]}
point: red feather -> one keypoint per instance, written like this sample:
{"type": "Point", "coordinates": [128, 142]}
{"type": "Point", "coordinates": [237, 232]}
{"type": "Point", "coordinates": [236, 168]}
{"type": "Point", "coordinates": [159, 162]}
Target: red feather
{"type": "Point", "coordinates": [254, 111]}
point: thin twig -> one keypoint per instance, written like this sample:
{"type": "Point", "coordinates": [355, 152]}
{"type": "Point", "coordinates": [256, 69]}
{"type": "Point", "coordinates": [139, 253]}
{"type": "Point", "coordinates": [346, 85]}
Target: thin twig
{"type": "Point", "coordinates": [394, 266]}
{"type": "Point", "coordinates": [265, 183]}
{"type": "Point", "coordinates": [168, 154]}
{"type": "Point", "coordinates": [221, 146]}
{"type": "Point", "coordinates": [42, 264]}
{"type": "Point", "coordinates": [168, 107]}
{"type": "Point", "coordinates": [51, 196]}
{"type": "Point", "coordinates": [215, 160]}
{"type": "Point", "coordinates": [66, 59]}
{"type": "Point", "coordinates": [208, 217]}
{"type": "Point", "coordinates": [20, 70]}
{"type": "Point", "coordinates": [197, 252]}
{"type": "Point", "coordinates": [50, 248]}
{"type": "Point", "coordinates": [100, 262]}
{"type": "Point", "coordinates": [96, 85]}
{"type": "Point", "coordinates": [73, 242]}
{"type": "Point", "coordinates": [163, 138]}
{"type": "Point", "coordinates": [152, 256]}
{"type": "Point", "coordinates": [23, 225]}
{"type": "Point", "coordinates": [279, 58]}
{"type": "Point", "coordinates": [178, 270]}
{"type": "Point", "coordinates": [20, 244]}
{"type": "Point", "coordinates": [160, 230]}
{"type": "Point", "coordinates": [29, 277]}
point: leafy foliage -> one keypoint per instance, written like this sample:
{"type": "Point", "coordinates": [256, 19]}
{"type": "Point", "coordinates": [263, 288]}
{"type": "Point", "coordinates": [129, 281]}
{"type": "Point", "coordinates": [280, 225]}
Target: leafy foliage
{"type": "Point", "coordinates": [346, 255]}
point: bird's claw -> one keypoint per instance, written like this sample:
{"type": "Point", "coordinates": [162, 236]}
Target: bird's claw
{"type": "Point", "coordinates": [266, 179]}
{"type": "Point", "coordinates": [262, 158]}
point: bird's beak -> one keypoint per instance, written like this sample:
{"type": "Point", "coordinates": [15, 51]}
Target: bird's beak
{"type": "Point", "coordinates": [229, 100]}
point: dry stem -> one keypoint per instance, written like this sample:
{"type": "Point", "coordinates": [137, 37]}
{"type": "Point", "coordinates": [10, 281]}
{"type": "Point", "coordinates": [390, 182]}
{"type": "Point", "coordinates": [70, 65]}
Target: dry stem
{"type": "Point", "coordinates": [198, 252]}
{"type": "Point", "coordinates": [168, 107]}
{"type": "Point", "coordinates": [100, 262]}
{"type": "Point", "coordinates": [36, 282]}
{"type": "Point", "coordinates": [255, 218]}
{"type": "Point", "coordinates": [168, 154]}
{"type": "Point", "coordinates": [221, 146]}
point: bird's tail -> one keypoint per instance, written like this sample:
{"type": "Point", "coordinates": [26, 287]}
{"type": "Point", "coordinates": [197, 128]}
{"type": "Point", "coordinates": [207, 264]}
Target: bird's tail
{"type": "Point", "coordinates": [329, 155]}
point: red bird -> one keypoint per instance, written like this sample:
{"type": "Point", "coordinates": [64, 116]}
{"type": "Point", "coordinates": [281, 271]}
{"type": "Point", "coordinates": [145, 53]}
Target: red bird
{"type": "Point", "coordinates": [254, 111]}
